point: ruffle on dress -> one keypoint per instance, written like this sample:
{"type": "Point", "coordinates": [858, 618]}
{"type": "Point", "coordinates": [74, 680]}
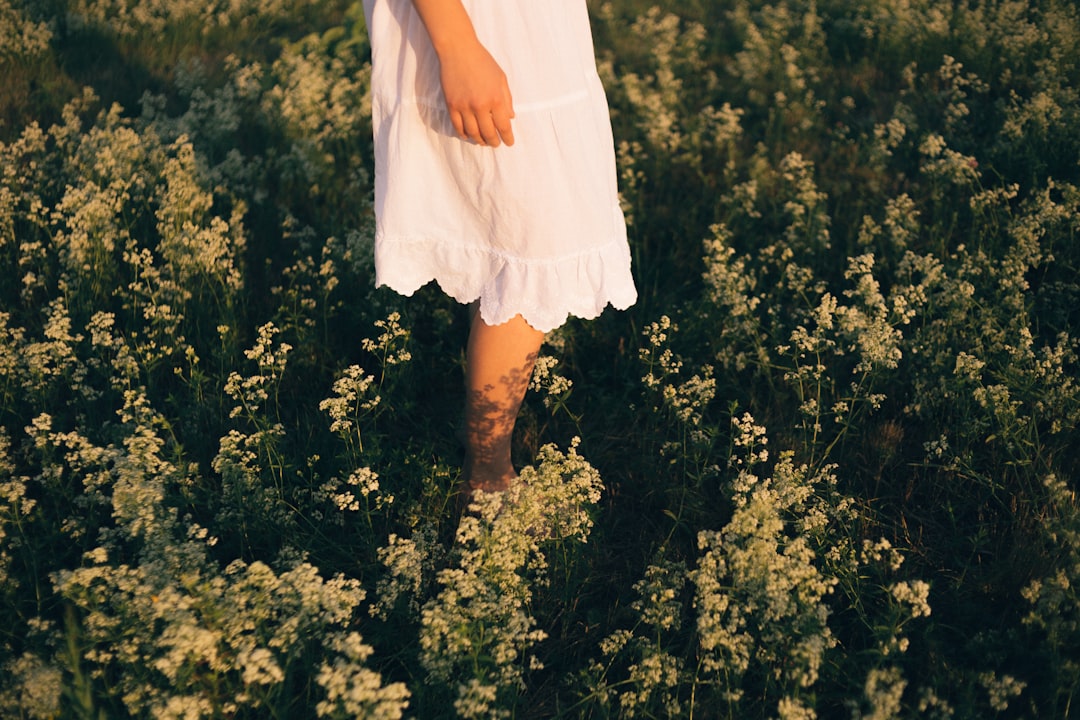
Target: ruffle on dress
{"type": "Point", "coordinates": [543, 292]}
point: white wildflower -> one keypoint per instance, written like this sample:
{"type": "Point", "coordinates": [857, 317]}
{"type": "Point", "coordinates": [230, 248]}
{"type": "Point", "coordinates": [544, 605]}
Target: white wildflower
{"type": "Point", "coordinates": [883, 694]}
{"type": "Point", "coordinates": [390, 347]}
{"type": "Point", "coordinates": [1001, 690]}
{"type": "Point", "coordinates": [915, 595]}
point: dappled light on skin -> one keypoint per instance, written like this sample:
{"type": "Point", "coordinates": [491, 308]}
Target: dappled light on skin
{"type": "Point", "coordinates": [499, 364]}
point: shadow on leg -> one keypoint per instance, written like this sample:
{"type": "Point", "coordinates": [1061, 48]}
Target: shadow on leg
{"type": "Point", "coordinates": [499, 363]}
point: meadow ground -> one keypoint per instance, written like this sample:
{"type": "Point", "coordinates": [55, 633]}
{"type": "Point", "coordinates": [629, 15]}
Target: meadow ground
{"type": "Point", "coordinates": [825, 468]}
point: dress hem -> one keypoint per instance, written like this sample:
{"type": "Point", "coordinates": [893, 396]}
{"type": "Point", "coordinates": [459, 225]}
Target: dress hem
{"type": "Point", "coordinates": [546, 291]}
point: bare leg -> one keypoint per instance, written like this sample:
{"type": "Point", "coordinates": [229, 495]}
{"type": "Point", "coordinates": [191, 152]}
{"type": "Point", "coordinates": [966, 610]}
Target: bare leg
{"type": "Point", "coordinates": [499, 362]}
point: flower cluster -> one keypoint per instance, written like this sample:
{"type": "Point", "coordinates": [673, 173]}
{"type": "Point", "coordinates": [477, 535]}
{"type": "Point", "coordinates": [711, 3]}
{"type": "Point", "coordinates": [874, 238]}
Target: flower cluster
{"type": "Point", "coordinates": [555, 388]}
{"type": "Point", "coordinates": [353, 398]}
{"type": "Point", "coordinates": [410, 568]}
{"type": "Point", "coordinates": [687, 400]}
{"type": "Point", "coordinates": [21, 36]}
{"type": "Point", "coordinates": [127, 18]}
{"type": "Point", "coordinates": [390, 346]}
{"type": "Point", "coordinates": [760, 590]}
{"type": "Point", "coordinates": [476, 632]}
{"type": "Point", "coordinates": [653, 675]}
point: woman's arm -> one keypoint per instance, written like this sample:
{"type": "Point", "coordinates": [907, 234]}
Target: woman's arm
{"type": "Point", "coordinates": [476, 90]}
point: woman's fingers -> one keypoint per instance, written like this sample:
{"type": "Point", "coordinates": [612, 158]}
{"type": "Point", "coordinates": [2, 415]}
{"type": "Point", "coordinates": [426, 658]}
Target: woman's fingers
{"type": "Point", "coordinates": [485, 126]}
{"type": "Point", "coordinates": [488, 133]}
{"type": "Point", "coordinates": [470, 128]}
{"type": "Point", "coordinates": [491, 128]}
{"type": "Point", "coordinates": [458, 121]}
{"type": "Point", "coordinates": [501, 119]}
{"type": "Point", "coordinates": [478, 98]}
{"type": "Point", "coordinates": [494, 128]}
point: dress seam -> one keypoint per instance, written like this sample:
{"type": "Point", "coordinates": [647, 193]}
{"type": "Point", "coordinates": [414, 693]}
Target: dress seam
{"type": "Point", "coordinates": [419, 240]}
{"type": "Point", "coordinates": [439, 105]}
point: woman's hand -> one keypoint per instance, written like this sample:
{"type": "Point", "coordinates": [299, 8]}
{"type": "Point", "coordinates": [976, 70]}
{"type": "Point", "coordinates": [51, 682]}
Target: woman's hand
{"type": "Point", "coordinates": [477, 96]}
{"type": "Point", "coordinates": [477, 93]}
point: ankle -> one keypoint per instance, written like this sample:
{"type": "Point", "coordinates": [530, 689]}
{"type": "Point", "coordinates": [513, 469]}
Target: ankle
{"type": "Point", "coordinates": [489, 477]}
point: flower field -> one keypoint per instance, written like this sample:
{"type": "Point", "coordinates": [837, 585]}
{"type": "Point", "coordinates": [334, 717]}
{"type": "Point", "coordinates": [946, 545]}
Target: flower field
{"type": "Point", "coordinates": [827, 467]}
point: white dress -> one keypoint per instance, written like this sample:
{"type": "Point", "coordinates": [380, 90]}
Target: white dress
{"type": "Point", "coordinates": [534, 228]}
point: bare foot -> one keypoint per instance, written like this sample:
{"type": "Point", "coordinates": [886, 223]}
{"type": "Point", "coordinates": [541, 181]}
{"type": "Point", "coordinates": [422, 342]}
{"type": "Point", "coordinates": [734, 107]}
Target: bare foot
{"type": "Point", "coordinates": [478, 477]}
